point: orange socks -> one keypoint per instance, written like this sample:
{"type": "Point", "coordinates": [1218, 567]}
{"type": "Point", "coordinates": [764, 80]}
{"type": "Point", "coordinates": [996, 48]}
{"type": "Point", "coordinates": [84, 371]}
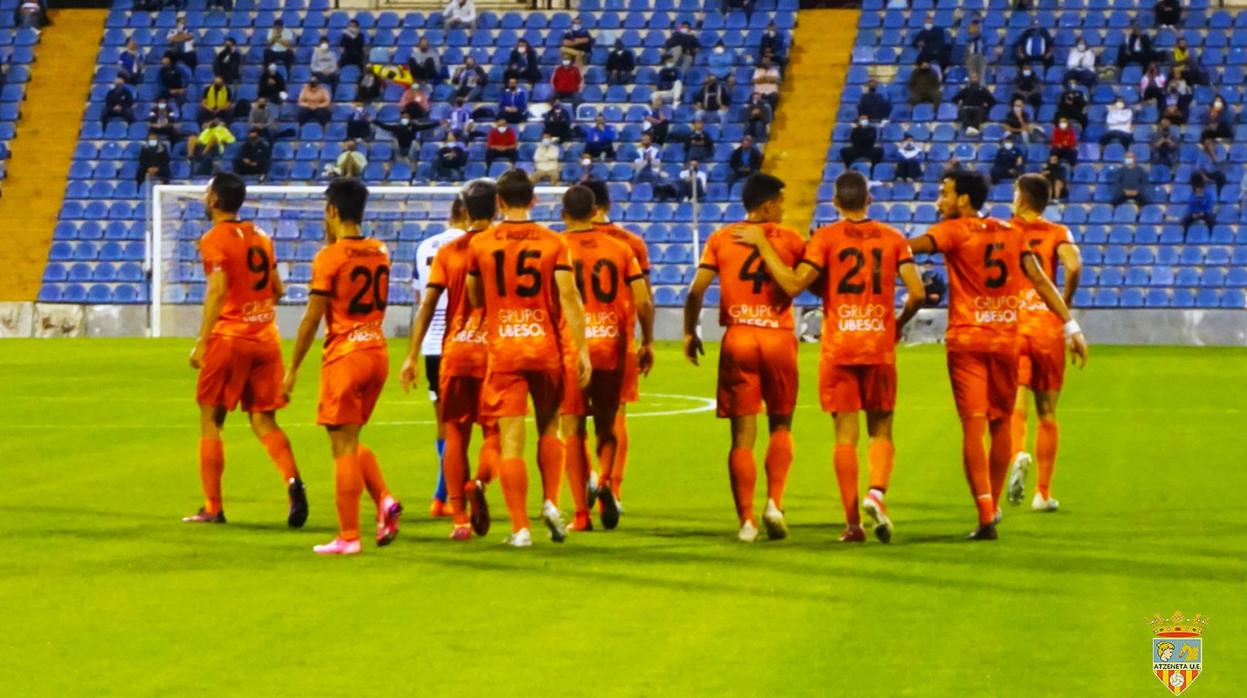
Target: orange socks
{"type": "Point", "coordinates": [1000, 456]}
{"type": "Point", "coordinates": [370, 470]}
{"type": "Point", "coordinates": [350, 483]}
{"type": "Point", "coordinates": [515, 490]}
{"type": "Point", "coordinates": [1019, 431]}
{"type": "Point", "coordinates": [455, 468]}
{"type": "Point", "coordinates": [881, 453]}
{"type": "Point", "coordinates": [974, 460]}
{"type": "Point", "coordinates": [550, 461]}
{"type": "Point", "coordinates": [491, 453]}
{"type": "Point", "coordinates": [846, 477]}
{"type": "Point", "coordinates": [744, 476]}
{"type": "Point", "coordinates": [278, 447]}
{"type": "Point", "coordinates": [211, 465]}
{"type": "Point", "coordinates": [779, 453]}
{"type": "Point", "coordinates": [577, 465]}
{"type": "Point", "coordinates": [1045, 453]}
{"type": "Point", "coordinates": [621, 453]}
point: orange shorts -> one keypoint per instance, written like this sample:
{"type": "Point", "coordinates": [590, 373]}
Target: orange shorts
{"type": "Point", "coordinates": [605, 388]}
{"type": "Point", "coordinates": [1041, 362]}
{"type": "Point", "coordinates": [756, 366]}
{"type": "Point", "coordinates": [506, 394]}
{"type": "Point", "coordinates": [869, 387]}
{"type": "Point", "coordinates": [350, 386]}
{"type": "Point", "coordinates": [984, 383]}
{"type": "Point", "coordinates": [241, 370]}
{"type": "Point", "coordinates": [459, 399]}
{"type": "Point", "coordinates": [630, 391]}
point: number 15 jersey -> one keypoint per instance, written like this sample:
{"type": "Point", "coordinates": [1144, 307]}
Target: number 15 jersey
{"type": "Point", "coordinates": [747, 294]}
{"type": "Point", "coordinates": [245, 254]}
{"type": "Point", "coordinates": [355, 274]}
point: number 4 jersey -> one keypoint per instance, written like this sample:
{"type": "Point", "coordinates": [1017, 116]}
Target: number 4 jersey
{"type": "Point", "coordinates": [747, 295]}
{"type": "Point", "coordinates": [355, 274]}
{"type": "Point", "coordinates": [245, 254]}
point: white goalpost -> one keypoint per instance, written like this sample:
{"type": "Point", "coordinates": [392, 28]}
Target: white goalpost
{"type": "Point", "coordinates": [292, 215]}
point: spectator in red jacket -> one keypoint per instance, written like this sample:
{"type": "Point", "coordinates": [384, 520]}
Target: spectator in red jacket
{"type": "Point", "coordinates": [502, 143]}
{"type": "Point", "coordinates": [567, 82]}
{"type": "Point", "coordinates": [1064, 143]}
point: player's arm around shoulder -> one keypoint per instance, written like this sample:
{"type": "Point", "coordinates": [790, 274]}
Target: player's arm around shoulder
{"type": "Point", "coordinates": [1052, 298]}
{"type": "Point", "coordinates": [792, 281]}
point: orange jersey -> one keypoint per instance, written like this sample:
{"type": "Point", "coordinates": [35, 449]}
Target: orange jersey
{"type": "Point", "coordinates": [464, 346]}
{"type": "Point", "coordinates": [355, 274]}
{"type": "Point", "coordinates": [604, 269]}
{"type": "Point", "coordinates": [1043, 238]}
{"type": "Point", "coordinates": [631, 239]}
{"type": "Point", "coordinates": [516, 261]}
{"type": "Point", "coordinates": [747, 294]}
{"type": "Point", "coordinates": [860, 260]}
{"type": "Point", "coordinates": [245, 254]}
{"type": "Point", "coordinates": [984, 257]}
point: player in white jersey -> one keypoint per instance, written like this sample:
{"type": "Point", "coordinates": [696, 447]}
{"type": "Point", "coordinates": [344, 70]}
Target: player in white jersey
{"type": "Point", "coordinates": [431, 348]}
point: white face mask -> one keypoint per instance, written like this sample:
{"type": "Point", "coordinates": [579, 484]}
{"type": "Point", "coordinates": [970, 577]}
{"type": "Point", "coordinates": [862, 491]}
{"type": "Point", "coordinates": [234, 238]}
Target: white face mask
{"type": "Point", "coordinates": [1082, 46]}
{"type": "Point", "coordinates": [153, 142]}
{"type": "Point", "coordinates": [522, 49]}
{"type": "Point", "coordinates": [719, 49]}
{"type": "Point", "coordinates": [1219, 103]}
{"type": "Point", "coordinates": [863, 122]}
{"type": "Point", "coordinates": [566, 63]}
{"type": "Point", "coordinates": [545, 141]}
{"type": "Point", "coordinates": [1121, 105]}
{"type": "Point", "coordinates": [586, 162]}
{"type": "Point", "coordinates": [324, 46]}
{"type": "Point", "coordinates": [1064, 124]}
{"type": "Point", "coordinates": [1129, 162]}
{"type": "Point", "coordinates": [1026, 72]}
{"type": "Point", "coordinates": [503, 128]}
{"type": "Point", "coordinates": [928, 26]}
{"type": "Point", "coordinates": [405, 121]}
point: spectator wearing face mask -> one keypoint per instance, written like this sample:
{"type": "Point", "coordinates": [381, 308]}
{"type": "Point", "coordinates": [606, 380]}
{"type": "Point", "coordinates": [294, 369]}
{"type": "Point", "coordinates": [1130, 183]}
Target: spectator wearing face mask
{"type": "Point", "coordinates": [1034, 45]}
{"type": "Point", "coordinates": [461, 122]}
{"type": "Point", "coordinates": [683, 45]}
{"type": "Point", "coordinates": [658, 121]}
{"type": "Point", "coordinates": [620, 64]}
{"type": "Point", "coordinates": [405, 132]}
{"type": "Point", "coordinates": [172, 83]}
{"type": "Point", "coordinates": [1008, 162]}
{"type": "Point", "coordinates": [1129, 182]}
{"type": "Point", "coordinates": [153, 161]}
{"type": "Point", "coordinates": [577, 42]}
{"type": "Point", "coordinates": [1057, 174]}
{"type": "Point", "coordinates": [325, 63]}
{"type": "Point", "coordinates": [369, 87]}
{"type": "Point", "coordinates": [669, 85]}
{"type": "Point", "coordinates": [874, 105]}
{"type": "Point", "coordinates": [119, 103]}
{"type": "Point", "coordinates": [862, 144]}
{"type": "Point", "coordinates": [469, 80]}
{"type": "Point", "coordinates": [228, 63]}
{"type": "Point", "coordinates": [1064, 143]}
{"type": "Point", "coordinates": [414, 102]}
{"type": "Point", "coordinates": [502, 143]}
{"type": "Point", "coordinates": [766, 79]}
{"type": "Point", "coordinates": [1080, 64]}
{"type": "Point", "coordinates": [460, 13]}
{"type": "Point", "coordinates": [359, 123]}
{"type": "Point", "coordinates": [711, 97]}
{"type": "Point", "coordinates": [162, 120]}
{"type": "Point", "coordinates": [700, 146]}
{"type": "Point", "coordinates": [909, 159]}
{"type": "Point", "coordinates": [546, 161]}
{"type": "Point", "coordinates": [932, 42]}
{"type": "Point", "coordinates": [272, 85]}
{"type": "Point", "coordinates": [1165, 144]}
{"type": "Point", "coordinates": [1119, 122]}
{"type": "Point", "coordinates": [976, 46]}
{"type": "Point", "coordinates": [566, 82]}
{"type": "Point", "coordinates": [973, 102]}
{"type": "Point", "coordinates": [557, 122]}
{"type": "Point", "coordinates": [648, 162]}
{"type": "Point", "coordinates": [254, 156]}
{"type": "Point", "coordinates": [720, 63]}
{"type": "Point", "coordinates": [1177, 105]}
{"type": "Point", "coordinates": [1218, 121]}
{"type": "Point", "coordinates": [1019, 124]}
{"type": "Point", "coordinates": [130, 63]}
{"type": "Point", "coordinates": [522, 64]}
{"type": "Point", "coordinates": [354, 47]}
{"type": "Point", "coordinates": [1028, 87]}
{"type": "Point", "coordinates": [1152, 85]}
{"type": "Point", "coordinates": [758, 115]}
{"type": "Point", "coordinates": [315, 103]}
{"type": "Point", "coordinates": [424, 63]}
{"type": "Point", "coordinates": [1201, 207]}
{"type": "Point", "coordinates": [692, 182]}
{"type": "Point", "coordinates": [181, 44]}
{"type": "Point", "coordinates": [451, 160]}
{"type": "Point", "coordinates": [600, 139]}
{"type": "Point", "coordinates": [217, 102]}
{"type": "Point", "coordinates": [1072, 105]}
{"type": "Point", "coordinates": [772, 44]}
{"type": "Point", "coordinates": [513, 103]}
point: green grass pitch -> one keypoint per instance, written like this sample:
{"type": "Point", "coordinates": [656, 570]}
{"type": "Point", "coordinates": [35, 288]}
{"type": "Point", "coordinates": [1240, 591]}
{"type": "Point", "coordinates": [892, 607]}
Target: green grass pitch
{"type": "Point", "coordinates": [104, 592]}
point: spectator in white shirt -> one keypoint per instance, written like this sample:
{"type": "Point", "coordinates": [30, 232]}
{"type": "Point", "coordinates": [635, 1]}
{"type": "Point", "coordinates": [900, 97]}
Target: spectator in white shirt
{"type": "Point", "coordinates": [688, 175]}
{"type": "Point", "coordinates": [766, 81]}
{"type": "Point", "coordinates": [546, 161]}
{"type": "Point", "coordinates": [1120, 123]}
{"type": "Point", "coordinates": [648, 161]}
{"type": "Point", "coordinates": [1080, 64]}
{"type": "Point", "coordinates": [181, 44]}
{"type": "Point", "coordinates": [909, 157]}
{"type": "Point", "coordinates": [280, 45]}
{"type": "Point", "coordinates": [460, 13]}
{"type": "Point", "coordinates": [325, 63]}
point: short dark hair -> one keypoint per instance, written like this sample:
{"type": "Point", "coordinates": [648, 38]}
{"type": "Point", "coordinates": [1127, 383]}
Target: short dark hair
{"type": "Point", "coordinates": [456, 209]}
{"type": "Point", "coordinates": [601, 192]}
{"type": "Point", "coordinates": [480, 199]}
{"type": "Point", "coordinates": [759, 189]}
{"type": "Point", "coordinates": [970, 183]}
{"type": "Point", "coordinates": [851, 190]}
{"type": "Point", "coordinates": [515, 188]}
{"type": "Point", "coordinates": [578, 203]}
{"type": "Point", "coordinates": [1035, 190]}
{"type": "Point", "coordinates": [348, 195]}
{"type": "Point", "coordinates": [230, 192]}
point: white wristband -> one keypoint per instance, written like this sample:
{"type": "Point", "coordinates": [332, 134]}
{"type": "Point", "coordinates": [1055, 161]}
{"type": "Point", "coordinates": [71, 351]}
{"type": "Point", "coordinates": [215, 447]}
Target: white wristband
{"type": "Point", "coordinates": [1072, 328]}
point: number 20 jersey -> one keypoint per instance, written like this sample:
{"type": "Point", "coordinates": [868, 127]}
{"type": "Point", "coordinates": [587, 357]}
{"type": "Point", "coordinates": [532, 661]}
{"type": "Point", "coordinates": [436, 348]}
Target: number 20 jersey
{"type": "Point", "coordinates": [516, 261]}
{"type": "Point", "coordinates": [245, 255]}
{"type": "Point", "coordinates": [355, 275]}
{"type": "Point", "coordinates": [747, 294]}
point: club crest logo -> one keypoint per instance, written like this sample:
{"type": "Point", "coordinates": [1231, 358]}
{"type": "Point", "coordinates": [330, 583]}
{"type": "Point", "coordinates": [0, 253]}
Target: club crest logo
{"type": "Point", "coordinates": [1177, 650]}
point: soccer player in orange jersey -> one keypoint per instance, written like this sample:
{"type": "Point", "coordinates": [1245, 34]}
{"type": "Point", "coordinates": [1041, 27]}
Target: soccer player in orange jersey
{"type": "Point", "coordinates": [1041, 349]}
{"type": "Point", "coordinates": [612, 286]}
{"type": "Point", "coordinates": [758, 355]}
{"type": "Point", "coordinates": [859, 261]}
{"type": "Point", "coordinates": [520, 273]}
{"type": "Point", "coordinates": [464, 356]}
{"type": "Point", "coordinates": [238, 353]}
{"type": "Point", "coordinates": [350, 287]}
{"type": "Point", "coordinates": [631, 392]}
{"type": "Point", "coordinates": [988, 266]}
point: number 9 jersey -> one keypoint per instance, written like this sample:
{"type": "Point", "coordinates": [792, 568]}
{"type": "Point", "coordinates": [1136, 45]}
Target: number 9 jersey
{"type": "Point", "coordinates": [355, 274]}
{"type": "Point", "coordinates": [245, 254]}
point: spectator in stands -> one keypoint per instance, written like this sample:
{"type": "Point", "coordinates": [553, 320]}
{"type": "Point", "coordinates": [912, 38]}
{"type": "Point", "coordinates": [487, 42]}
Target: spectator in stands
{"type": "Point", "coordinates": [324, 63]}
{"type": "Point", "coordinates": [546, 161]}
{"type": "Point", "coordinates": [272, 85]}
{"type": "Point", "coordinates": [746, 160]}
{"type": "Point", "coordinates": [909, 159]}
{"type": "Point", "coordinates": [1034, 45]}
{"type": "Point", "coordinates": [874, 105]}
{"type": "Point", "coordinates": [977, 48]}
{"type": "Point", "coordinates": [1080, 64]}
{"type": "Point", "coordinates": [513, 104]}
{"type": "Point", "coordinates": [315, 103]}
{"type": "Point", "coordinates": [181, 44]}
{"type": "Point", "coordinates": [669, 85]}
{"type": "Point", "coordinates": [351, 161]}
{"type": "Point", "coordinates": [577, 42]}
{"type": "Point", "coordinates": [658, 120]}
{"type": "Point", "coordinates": [683, 45]}
{"type": "Point", "coordinates": [502, 143]}
{"type": "Point", "coordinates": [1129, 182]}
{"type": "Point", "coordinates": [719, 63]}
{"type": "Point", "coordinates": [862, 144]}
{"type": "Point", "coordinates": [354, 48]}
{"type": "Point", "coordinates": [1201, 206]}
{"type": "Point", "coordinates": [690, 174]}
{"type": "Point", "coordinates": [1018, 123]}
{"type": "Point", "coordinates": [1218, 121]}
{"type": "Point", "coordinates": [566, 82]}
{"type": "Point", "coordinates": [557, 122]}
{"type": "Point", "coordinates": [1168, 13]}
{"type": "Point", "coordinates": [772, 43]}
{"type": "Point", "coordinates": [280, 45]}
{"type": "Point", "coordinates": [1064, 144]}
{"type": "Point", "coordinates": [1152, 85]}
{"type": "Point", "coordinates": [1137, 48]}
{"type": "Point", "coordinates": [620, 64]}
{"type": "Point", "coordinates": [414, 102]}
{"type": "Point", "coordinates": [254, 156]}
{"type": "Point", "coordinates": [460, 13]}
{"type": "Point", "coordinates": [1072, 105]}
{"type": "Point", "coordinates": [30, 14]}
{"type": "Point", "coordinates": [1119, 122]}
{"type": "Point", "coordinates": [932, 43]}
{"type": "Point", "coordinates": [522, 64]}
{"type": "Point", "coordinates": [600, 139]}
{"type": "Point", "coordinates": [469, 80]}
{"type": "Point", "coordinates": [1009, 161]}
{"type": "Point", "coordinates": [700, 146]}
{"type": "Point", "coordinates": [1211, 161]}
{"type": "Point", "coordinates": [217, 102]}
{"type": "Point", "coordinates": [119, 103]}
{"type": "Point", "coordinates": [924, 86]}
{"type": "Point", "coordinates": [758, 115]}
{"type": "Point", "coordinates": [1185, 62]}
{"type": "Point", "coordinates": [210, 144]}
{"type": "Point", "coordinates": [1057, 174]}
{"type": "Point", "coordinates": [404, 133]}
{"type": "Point", "coordinates": [369, 87]}
{"type": "Point", "coordinates": [1177, 105]}
{"type": "Point", "coordinates": [766, 81]}
{"type": "Point", "coordinates": [130, 63]}
{"type": "Point", "coordinates": [451, 160]}
{"type": "Point", "coordinates": [153, 161]}
{"type": "Point", "coordinates": [424, 63]}
{"type": "Point", "coordinates": [461, 121]}
{"type": "Point", "coordinates": [973, 102]}
{"type": "Point", "coordinates": [227, 64]}
{"type": "Point", "coordinates": [163, 119]}
{"type": "Point", "coordinates": [1028, 87]}
{"type": "Point", "coordinates": [359, 123]}
{"type": "Point", "coordinates": [172, 82]}
{"type": "Point", "coordinates": [711, 97]}
{"type": "Point", "coordinates": [1165, 144]}
{"type": "Point", "coordinates": [264, 116]}
{"type": "Point", "coordinates": [648, 163]}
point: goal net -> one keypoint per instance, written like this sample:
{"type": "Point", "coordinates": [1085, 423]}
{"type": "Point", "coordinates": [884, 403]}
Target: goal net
{"type": "Point", "coordinates": [294, 217]}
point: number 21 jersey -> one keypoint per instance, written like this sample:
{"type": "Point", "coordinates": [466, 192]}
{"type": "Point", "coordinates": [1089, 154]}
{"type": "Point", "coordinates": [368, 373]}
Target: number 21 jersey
{"type": "Point", "coordinates": [245, 255]}
{"type": "Point", "coordinates": [355, 274]}
{"type": "Point", "coordinates": [747, 294]}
